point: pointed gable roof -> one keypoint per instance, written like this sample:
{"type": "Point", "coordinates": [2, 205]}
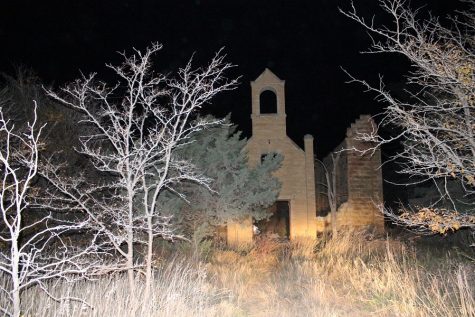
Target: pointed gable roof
{"type": "Point", "coordinates": [267, 76]}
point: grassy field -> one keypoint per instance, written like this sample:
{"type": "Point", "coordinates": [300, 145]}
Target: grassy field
{"type": "Point", "coordinates": [355, 275]}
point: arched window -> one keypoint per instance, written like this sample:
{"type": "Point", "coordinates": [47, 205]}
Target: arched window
{"type": "Point", "coordinates": [268, 101]}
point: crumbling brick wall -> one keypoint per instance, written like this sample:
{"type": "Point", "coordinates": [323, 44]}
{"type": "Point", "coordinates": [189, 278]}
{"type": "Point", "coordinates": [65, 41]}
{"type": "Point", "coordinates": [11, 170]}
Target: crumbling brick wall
{"type": "Point", "coordinates": [359, 181]}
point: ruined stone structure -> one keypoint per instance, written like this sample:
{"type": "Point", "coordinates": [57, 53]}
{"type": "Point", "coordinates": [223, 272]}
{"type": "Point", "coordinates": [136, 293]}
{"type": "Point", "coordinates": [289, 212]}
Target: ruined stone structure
{"type": "Point", "coordinates": [359, 182]}
{"type": "Point", "coordinates": [269, 135]}
{"type": "Point", "coordinates": [359, 175]}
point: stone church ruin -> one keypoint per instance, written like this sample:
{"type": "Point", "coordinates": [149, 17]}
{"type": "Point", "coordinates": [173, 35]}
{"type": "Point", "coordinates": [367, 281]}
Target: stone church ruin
{"type": "Point", "coordinates": [301, 210]}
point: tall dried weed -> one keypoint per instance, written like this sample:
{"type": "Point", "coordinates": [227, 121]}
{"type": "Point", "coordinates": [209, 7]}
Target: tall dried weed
{"type": "Point", "coordinates": [357, 274]}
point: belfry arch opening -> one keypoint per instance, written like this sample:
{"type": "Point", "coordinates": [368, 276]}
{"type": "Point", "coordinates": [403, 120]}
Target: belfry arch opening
{"type": "Point", "coordinates": [268, 102]}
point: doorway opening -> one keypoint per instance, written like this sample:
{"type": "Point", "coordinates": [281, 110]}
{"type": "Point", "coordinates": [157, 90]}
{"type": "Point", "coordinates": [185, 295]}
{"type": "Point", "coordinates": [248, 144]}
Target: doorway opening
{"type": "Point", "coordinates": [279, 223]}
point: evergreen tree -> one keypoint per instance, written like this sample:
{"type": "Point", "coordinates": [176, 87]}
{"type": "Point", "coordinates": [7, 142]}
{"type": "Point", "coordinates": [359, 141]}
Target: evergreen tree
{"type": "Point", "coordinates": [236, 190]}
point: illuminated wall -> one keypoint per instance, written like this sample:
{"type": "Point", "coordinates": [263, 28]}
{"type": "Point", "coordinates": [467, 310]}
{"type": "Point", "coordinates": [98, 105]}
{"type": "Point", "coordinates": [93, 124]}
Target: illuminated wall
{"type": "Point", "coordinates": [297, 172]}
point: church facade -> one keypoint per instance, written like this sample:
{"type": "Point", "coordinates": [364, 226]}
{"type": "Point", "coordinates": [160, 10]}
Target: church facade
{"type": "Point", "coordinates": [295, 212]}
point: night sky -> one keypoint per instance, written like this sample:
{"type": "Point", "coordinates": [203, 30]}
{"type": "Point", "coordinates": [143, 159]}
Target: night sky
{"type": "Point", "coordinates": [302, 42]}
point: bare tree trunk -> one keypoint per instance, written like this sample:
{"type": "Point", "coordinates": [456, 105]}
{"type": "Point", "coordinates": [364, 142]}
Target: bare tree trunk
{"type": "Point", "coordinates": [134, 141]}
{"type": "Point", "coordinates": [130, 259]}
{"type": "Point", "coordinates": [334, 227]}
{"type": "Point", "coordinates": [332, 192]}
{"type": "Point", "coordinates": [130, 264]}
{"type": "Point", "coordinates": [148, 264]}
{"type": "Point", "coordinates": [15, 277]}
{"type": "Point", "coordinates": [331, 188]}
{"type": "Point", "coordinates": [26, 262]}
{"type": "Point", "coordinates": [130, 244]}
{"type": "Point", "coordinates": [333, 220]}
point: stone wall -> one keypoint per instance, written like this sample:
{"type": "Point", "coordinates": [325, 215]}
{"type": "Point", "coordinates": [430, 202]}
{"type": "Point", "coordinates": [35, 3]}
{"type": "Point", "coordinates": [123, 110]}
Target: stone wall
{"type": "Point", "coordinates": [359, 182]}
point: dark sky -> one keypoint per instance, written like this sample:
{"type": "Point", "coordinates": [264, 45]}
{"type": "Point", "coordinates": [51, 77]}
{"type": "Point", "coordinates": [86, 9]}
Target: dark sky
{"type": "Point", "coordinates": [304, 42]}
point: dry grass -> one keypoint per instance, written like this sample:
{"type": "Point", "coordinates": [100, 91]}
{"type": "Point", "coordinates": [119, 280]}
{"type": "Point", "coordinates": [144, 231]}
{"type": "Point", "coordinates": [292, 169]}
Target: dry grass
{"type": "Point", "coordinates": [179, 289]}
{"type": "Point", "coordinates": [354, 275]}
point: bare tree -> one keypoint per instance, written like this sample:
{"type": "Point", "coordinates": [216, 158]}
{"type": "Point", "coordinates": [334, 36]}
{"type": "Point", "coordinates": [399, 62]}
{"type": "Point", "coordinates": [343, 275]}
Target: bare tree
{"type": "Point", "coordinates": [60, 131]}
{"type": "Point", "coordinates": [136, 125]}
{"type": "Point", "coordinates": [436, 122]}
{"type": "Point", "coordinates": [34, 250]}
{"type": "Point", "coordinates": [331, 188]}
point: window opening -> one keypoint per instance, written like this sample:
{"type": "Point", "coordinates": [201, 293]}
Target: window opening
{"type": "Point", "coordinates": [268, 101]}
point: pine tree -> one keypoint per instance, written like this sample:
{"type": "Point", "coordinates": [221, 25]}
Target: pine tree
{"type": "Point", "coordinates": [236, 190]}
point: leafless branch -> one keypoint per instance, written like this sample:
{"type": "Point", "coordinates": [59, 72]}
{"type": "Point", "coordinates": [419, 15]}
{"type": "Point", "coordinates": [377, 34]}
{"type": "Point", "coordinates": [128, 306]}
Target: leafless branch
{"type": "Point", "coordinates": [436, 123]}
{"type": "Point", "coordinates": [135, 127]}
